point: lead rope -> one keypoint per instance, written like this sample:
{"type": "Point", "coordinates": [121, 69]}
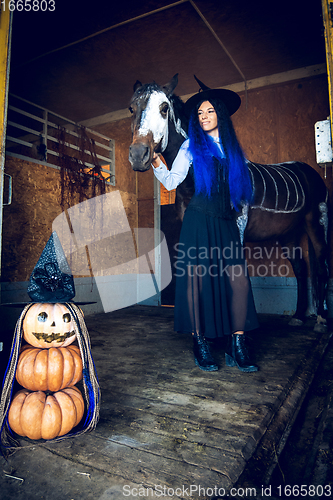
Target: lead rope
{"type": "Point", "coordinates": [8, 443]}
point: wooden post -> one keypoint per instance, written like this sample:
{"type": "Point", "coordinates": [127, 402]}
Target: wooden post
{"type": "Point", "coordinates": [328, 26]}
{"type": "Point", "coordinates": [5, 39]}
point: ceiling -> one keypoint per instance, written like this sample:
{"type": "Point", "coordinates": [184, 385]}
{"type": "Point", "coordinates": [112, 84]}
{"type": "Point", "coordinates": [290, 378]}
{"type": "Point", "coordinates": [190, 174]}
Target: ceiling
{"type": "Point", "coordinates": [82, 59]}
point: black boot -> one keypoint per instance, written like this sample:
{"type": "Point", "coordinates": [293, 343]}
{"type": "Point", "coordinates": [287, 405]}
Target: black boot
{"type": "Point", "coordinates": [237, 354]}
{"type": "Point", "coordinates": [202, 355]}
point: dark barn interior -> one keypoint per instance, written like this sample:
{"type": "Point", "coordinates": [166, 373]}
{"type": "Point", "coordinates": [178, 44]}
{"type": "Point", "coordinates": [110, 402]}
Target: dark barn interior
{"type": "Point", "coordinates": [163, 422]}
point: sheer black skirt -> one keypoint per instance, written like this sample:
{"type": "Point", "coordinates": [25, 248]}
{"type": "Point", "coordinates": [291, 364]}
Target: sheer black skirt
{"type": "Point", "coordinates": [213, 290]}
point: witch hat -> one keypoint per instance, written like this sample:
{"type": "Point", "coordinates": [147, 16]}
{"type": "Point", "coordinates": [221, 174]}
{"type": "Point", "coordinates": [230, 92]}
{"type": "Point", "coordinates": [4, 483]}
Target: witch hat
{"type": "Point", "coordinates": [51, 280]}
{"type": "Point", "coordinates": [230, 98]}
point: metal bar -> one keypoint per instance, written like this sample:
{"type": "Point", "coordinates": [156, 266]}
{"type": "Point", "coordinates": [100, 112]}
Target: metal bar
{"type": "Point", "coordinates": [75, 134]}
{"type": "Point", "coordinates": [25, 113]}
{"type": "Point", "coordinates": [49, 164]}
{"type": "Point", "coordinates": [69, 126]}
{"type": "Point", "coordinates": [84, 163]}
{"type": "Point", "coordinates": [73, 146]}
{"type": "Point", "coordinates": [45, 127]}
{"type": "Point", "coordinates": [101, 157]}
{"type": "Point", "coordinates": [66, 120]}
{"type": "Point", "coordinates": [19, 141]}
{"type": "Point", "coordinates": [54, 139]}
{"type": "Point", "coordinates": [23, 127]}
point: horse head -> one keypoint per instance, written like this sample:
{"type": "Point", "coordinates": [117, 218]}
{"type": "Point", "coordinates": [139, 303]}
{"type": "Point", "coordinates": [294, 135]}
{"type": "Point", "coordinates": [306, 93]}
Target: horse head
{"type": "Point", "coordinates": [152, 111]}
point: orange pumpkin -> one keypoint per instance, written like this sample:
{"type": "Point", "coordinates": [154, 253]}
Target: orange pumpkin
{"type": "Point", "coordinates": [49, 325]}
{"type": "Point", "coordinates": [49, 369]}
{"type": "Point", "coordinates": [41, 416]}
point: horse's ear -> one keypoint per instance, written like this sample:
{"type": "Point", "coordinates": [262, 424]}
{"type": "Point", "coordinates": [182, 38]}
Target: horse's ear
{"type": "Point", "coordinates": [137, 85]}
{"type": "Point", "coordinates": [170, 87]}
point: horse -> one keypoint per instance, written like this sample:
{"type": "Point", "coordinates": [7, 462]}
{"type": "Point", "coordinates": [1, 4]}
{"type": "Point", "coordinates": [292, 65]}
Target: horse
{"type": "Point", "coordinates": [290, 199]}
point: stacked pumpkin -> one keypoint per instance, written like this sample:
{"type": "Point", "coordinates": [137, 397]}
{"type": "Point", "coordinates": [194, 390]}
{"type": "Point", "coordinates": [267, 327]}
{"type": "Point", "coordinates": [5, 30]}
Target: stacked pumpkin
{"type": "Point", "coordinates": [48, 368]}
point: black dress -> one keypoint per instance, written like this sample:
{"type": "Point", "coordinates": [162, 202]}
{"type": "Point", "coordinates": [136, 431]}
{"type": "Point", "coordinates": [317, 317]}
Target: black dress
{"type": "Point", "coordinates": [213, 291]}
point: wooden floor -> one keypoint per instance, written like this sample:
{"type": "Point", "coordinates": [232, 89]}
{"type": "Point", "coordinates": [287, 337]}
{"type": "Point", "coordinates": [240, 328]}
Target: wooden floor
{"type": "Point", "coordinates": [165, 424]}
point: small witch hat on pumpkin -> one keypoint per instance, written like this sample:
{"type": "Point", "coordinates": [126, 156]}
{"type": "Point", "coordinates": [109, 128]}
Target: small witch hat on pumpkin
{"type": "Point", "coordinates": [51, 282]}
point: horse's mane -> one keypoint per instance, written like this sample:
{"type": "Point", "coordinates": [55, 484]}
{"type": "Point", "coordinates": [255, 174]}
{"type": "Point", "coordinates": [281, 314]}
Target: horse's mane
{"type": "Point", "coordinates": [177, 103]}
{"type": "Point", "coordinates": [178, 107]}
{"type": "Point", "coordinates": [145, 90]}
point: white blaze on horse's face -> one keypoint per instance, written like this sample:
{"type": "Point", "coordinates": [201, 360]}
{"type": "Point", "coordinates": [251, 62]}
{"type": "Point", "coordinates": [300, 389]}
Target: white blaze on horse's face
{"type": "Point", "coordinates": [153, 121]}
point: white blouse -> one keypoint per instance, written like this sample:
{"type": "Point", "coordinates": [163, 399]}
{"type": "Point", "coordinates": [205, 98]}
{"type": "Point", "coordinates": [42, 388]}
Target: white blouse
{"type": "Point", "coordinates": [181, 164]}
{"type": "Point", "coordinates": [172, 178]}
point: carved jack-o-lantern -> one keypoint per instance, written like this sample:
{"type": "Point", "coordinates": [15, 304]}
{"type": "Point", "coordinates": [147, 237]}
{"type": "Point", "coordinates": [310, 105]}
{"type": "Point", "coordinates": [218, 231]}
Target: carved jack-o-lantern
{"type": "Point", "coordinates": [49, 325]}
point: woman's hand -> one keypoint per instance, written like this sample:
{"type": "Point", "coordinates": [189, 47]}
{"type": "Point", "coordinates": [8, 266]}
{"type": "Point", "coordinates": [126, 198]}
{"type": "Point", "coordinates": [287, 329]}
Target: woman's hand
{"type": "Point", "coordinates": [156, 161]}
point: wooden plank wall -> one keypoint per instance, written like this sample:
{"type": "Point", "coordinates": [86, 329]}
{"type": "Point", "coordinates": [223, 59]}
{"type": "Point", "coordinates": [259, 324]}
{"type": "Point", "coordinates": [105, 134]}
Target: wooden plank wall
{"type": "Point", "coordinates": [27, 223]}
{"type": "Point", "coordinates": [276, 125]}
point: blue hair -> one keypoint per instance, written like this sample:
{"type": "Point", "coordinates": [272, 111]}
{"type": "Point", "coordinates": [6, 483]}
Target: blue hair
{"type": "Point", "coordinates": [206, 154]}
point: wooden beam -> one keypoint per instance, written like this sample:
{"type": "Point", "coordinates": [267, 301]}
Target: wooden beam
{"type": "Point", "coordinates": [109, 28]}
{"type": "Point", "coordinates": [113, 116]}
{"type": "Point", "coordinates": [328, 28]}
{"type": "Point", "coordinates": [5, 32]}
{"type": "Point", "coordinates": [265, 81]}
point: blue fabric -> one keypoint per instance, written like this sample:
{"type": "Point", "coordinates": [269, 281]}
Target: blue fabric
{"type": "Point", "coordinates": [230, 156]}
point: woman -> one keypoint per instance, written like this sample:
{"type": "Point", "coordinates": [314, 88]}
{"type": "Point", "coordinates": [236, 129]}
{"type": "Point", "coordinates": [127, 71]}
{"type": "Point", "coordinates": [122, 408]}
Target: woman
{"type": "Point", "coordinates": [213, 292]}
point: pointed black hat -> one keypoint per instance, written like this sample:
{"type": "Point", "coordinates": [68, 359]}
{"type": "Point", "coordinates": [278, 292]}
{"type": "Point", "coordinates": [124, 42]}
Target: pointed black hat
{"type": "Point", "coordinates": [52, 280]}
{"type": "Point", "coordinates": [230, 98]}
